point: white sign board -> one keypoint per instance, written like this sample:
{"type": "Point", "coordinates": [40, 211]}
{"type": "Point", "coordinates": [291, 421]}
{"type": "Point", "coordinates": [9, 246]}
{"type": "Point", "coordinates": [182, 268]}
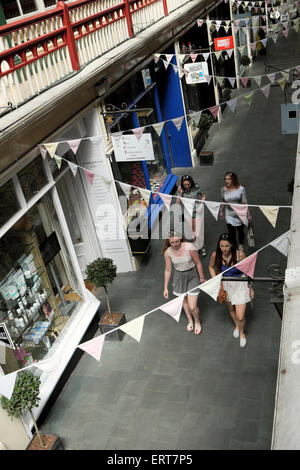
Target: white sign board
{"type": "Point", "coordinates": [128, 148]}
{"type": "Point", "coordinates": [196, 72]}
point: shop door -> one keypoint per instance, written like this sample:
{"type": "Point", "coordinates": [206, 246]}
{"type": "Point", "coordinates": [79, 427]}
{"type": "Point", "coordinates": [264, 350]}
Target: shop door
{"type": "Point", "coordinates": [77, 217]}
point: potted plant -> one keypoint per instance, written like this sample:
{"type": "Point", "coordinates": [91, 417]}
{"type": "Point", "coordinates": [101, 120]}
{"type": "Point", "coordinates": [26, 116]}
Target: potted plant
{"type": "Point", "coordinates": [25, 397]}
{"type": "Point", "coordinates": [101, 273]}
{"type": "Point", "coordinates": [245, 61]}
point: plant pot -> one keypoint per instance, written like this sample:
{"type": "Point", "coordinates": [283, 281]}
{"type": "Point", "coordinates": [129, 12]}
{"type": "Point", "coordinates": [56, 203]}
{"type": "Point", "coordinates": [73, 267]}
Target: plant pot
{"type": "Point", "coordinates": [206, 158]}
{"type": "Point", "coordinates": [51, 441]}
{"type": "Point", "coordinates": [111, 321]}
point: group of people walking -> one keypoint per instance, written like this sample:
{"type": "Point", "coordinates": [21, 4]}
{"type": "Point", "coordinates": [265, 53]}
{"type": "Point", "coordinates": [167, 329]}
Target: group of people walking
{"type": "Point", "coordinates": [183, 257]}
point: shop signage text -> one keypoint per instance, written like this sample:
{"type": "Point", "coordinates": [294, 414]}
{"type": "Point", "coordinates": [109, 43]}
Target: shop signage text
{"type": "Point", "coordinates": [196, 72]}
{"type": "Point", "coordinates": [223, 43]}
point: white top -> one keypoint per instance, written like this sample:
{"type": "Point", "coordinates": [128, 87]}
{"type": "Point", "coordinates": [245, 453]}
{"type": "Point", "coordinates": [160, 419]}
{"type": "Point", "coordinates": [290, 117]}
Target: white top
{"type": "Point", "coordinates": [182, 262]}
{"type": "Point", "coordinates": [237, 196]}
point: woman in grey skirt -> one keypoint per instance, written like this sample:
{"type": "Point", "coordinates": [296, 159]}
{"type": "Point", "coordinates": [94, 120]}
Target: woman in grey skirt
{"type": "Point", "coordinates": [188, 273]}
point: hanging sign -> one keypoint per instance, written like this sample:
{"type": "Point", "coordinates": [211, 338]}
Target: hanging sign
{"type": "Point", "coordinates": [196, 72]}
{"type": "Point", "coordinates": [5, 338]}
{"type": "Point", "coordinates": [223, 43]}
{"type": "Point", "coordinates": [130, 149]}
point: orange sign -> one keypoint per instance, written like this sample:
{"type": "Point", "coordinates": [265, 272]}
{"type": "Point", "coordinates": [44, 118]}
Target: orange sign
{"type": "Point", "coordinates": [223, 43]}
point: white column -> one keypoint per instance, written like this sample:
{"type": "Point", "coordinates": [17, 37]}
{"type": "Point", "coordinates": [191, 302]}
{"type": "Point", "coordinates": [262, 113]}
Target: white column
{"type": "Point", "coordinates": [216, 92]}
{"type": "Point", "coordinates": [237, 76]}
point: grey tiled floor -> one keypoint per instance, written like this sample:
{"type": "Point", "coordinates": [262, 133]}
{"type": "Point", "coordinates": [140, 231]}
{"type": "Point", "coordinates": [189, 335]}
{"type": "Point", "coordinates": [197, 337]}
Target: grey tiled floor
{"type": "Point", "coordinates": [174, 390]}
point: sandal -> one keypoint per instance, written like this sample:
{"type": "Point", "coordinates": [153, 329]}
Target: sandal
{"type": "Point", "coordinates": [190, 326]}
{"type": "Point", "coordinates": [198, 329]}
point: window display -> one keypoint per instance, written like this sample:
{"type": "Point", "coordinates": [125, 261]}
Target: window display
{"type": "Point", "coordinates": [35, 301]}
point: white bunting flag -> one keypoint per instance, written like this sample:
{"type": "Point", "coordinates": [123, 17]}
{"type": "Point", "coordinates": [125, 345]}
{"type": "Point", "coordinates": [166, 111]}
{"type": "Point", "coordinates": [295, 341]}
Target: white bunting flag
{"type": "Point", "coordinates": [271, 77]}
{"type": "Point", "coordinates": [125, 188]}
{"type": "Point", "coordinates": [212, 286]}
{"type": "Point", "coordinates": [166, 64]}
{"type": "Point", "coordinates": [271, 212]}
{"type": "Point", "coordinates": [232, 81]}
{"type": "Point", "coordinates": [188, 204]}
{"type": "Point", "coordinates": [96, 140]}
{"type": "Point", "coordinates": [93, 347]}
{"type": "Point", "coordinates": [199, 23]}
{"type": "Point", "coordinates": [213, 207]}
{"type": "Point", "coordinates": [196, 117]}
{"type": "Point", "coordinates": [205, 55]}
{"type": "Point", "coordinates": [229, 52]}
{"type": "Point", "coordinates": [178, 122]}
{"type": "Point", "coordinates": [258, 79]}
{"type": "Point", "coordinates": [43, 152]}
{"type": "Point", "coordinates": [282, 243]}
{"type": "Point", "coordinates": [264, 42]}
{"type": "Point", "coordinates": [138, 132]}
{"type": "Point", "coordinates": [166, 198]}
{"type": "Point", "coordinates": [74, 144]}
{"type": "Point", "coordinates": [7, 384]}
{"type": "Point", "coordinates": [274, 37]}
{"type": "Point", "coordinates": [156, 58]}
{"type": "Point", "coordinates": [116, 136]}
{"type": "Point", "coordinates": [145, 193]}
{"type": "Point", "coordinates": [73, 168]}
{"type": "Point", "coordinates": [266, 90]}
{"type": "Point", "coordinates": [51, 148]}
{"type": "Point", "coordinates": [158, 127]}
{"type": "Point", "coordinates": [175, 68]}
{"type": "Point", "coordinates": [173, 308]}
{"type": "Point", "coordinates": [169, 57]}
{"type": "Point", "coordinates": [134, 328]}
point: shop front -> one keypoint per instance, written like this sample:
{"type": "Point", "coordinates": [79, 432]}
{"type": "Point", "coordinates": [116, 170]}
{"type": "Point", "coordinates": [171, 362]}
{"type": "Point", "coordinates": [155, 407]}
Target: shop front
{"type": "Point", "coordinates": [45, 307]}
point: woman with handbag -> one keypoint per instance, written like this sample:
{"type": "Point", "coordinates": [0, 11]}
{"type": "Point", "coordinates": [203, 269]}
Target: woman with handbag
{"type": "Point", "coordinates": [188, 273]}
{"type": "Point", "coordinates": [238, 294]}
{"type": "Point", "coordinates": [233, 193]}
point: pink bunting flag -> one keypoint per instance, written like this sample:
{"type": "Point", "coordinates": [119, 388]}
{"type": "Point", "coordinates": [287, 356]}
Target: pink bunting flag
{"type": "Point", "coordinates": [241, 210]}
{"type": "Point", "coordinates": [244, 81]}
{"type": "Point", "coordinates": [266, 90]}
{"type": "Point", "coordinates": [235, 29]}
{"type": "Point", "coordinates": [90, 175]}
{"type": "Point", "coordinates": [166, 198]}
{"type": "Point", "coordinates": [173, 308]}
{"type": "Point", "coordinates": [178, 122]}
{"type": "Point", "coordinates": [214, 111]}
{"type": "Point", "coordinates": [199, 23]}
{"type": "Point", "coordinates": [237, 22]}
{"type": "Point", "coordinates": [285, 33]}
{"type": "Point", "coordinates": [93, 347]}
{"type": "Point", "coordinates": [138, 132]}
{"type": "Point", "coordinates": [74, 144]}
{"type": "Point", "coordinates": [43, 152]}
{"type": "Point", "coordinates": [247, 266]}
{"type": "Point", "coordinates": [193, 57]}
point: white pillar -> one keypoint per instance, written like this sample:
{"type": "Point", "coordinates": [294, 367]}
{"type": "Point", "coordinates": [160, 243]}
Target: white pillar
{"type": "Point", "coordinates": [216, 92]}
{"type": "Point", "coordinates": [237, 76]}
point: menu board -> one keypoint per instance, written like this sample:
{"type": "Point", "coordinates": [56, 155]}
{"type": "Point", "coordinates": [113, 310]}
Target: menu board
{"type": "Point", "coordinates": [129, 148]}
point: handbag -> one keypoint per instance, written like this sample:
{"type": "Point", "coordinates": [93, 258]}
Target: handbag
{"type": "Point", "coordinates": [250, 235]}
{"type": "Point", "coordinates": [222, 295]}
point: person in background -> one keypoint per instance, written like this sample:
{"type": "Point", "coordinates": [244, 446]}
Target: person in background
{"type": "Point", "coordinates": [188, 273]}
{"type": "Point", "coordinates": [238, 293]}
{"type": "Point", "coordinates": [189, 189]}
{"type": "Point", "coordinates": [233, 193]}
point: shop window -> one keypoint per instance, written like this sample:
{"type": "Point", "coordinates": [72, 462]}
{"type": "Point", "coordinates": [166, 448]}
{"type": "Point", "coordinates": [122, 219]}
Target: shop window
{"type": "Point", "coordinates": [37, 295]}
{"type": "Point", "coordinates": [9, 203]}
{"type": "Point", "coordinates": [28, 6]}
{"type": "Point", "coordinates": [10, 9]}
{"type": "Point", "coordinates": [33, 178]}
{"type": "Point", "coordinates": [49, 3]}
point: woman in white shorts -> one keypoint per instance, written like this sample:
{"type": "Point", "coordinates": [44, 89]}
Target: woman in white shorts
{"type": "Point", "coordinates": [188, 274]}
{"type": "Point", "coordinates": [238, 293]}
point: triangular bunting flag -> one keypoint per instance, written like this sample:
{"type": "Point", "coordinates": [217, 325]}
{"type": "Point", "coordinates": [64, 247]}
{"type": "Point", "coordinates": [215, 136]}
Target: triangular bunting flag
{"type": "Point", "coordinates": [199, 23]}
{"type": "Point", "coordinates": [158, 127]}
{"type": "Point", "coordinates": [134, 328]}
{"type": "Point", "coordinates": [247, 266]}
{"type": "Point", "coordinates": [264, 41]}
{"type": "Point", "coordinates": [249, 98]}
{"type": "Point", "coordinates": [296, 27]}
{"type": "Point", "coordinates": [58, 161]}
{"type": "Point", "coordinates": [156, 58]}
{"type": "Point", "coordinates": [274, 37]}
{"type": "Point", "coordinates": [242, 211]}
{"type": "Point", "coordinates": [188, 204]}
{"type": "Point", "coordinates": [93, 347]}
{"type": "Point", "coordinates": [232, 81]}
{"type": "Point", "coordinates": [271, 213]}
{"type": "Point", "coordinates": [253, 46]}
{"type": "Point", "coordinates": [241, 49]}
{"type": "Point", "coordinates": [258, 79]}
{"type": "Point", "coordinates": [232, 104]}
{"type": "Point", "coordinates": [7, 384]}
{"type": "Point", "coordinates": [271, 77]}
{"type": "Point", "coordinates": [220, 80]}
{"type": "Point", "coordinates": [264, 28]}
{"type": "Point", "coordinates": [214, 111]}
{"type": "Point", "coordinates": [285, 24]}
{"type": "Point", "coordinates": [97, 139]}
{"type": "Point", "coordinates": [217, 54]}
{"type": "Point", "coordinates": [145, 193]}
{"type": "Point", "coordinates": [226, 28]}
{"type": "Point", "coordinates": [51, 148]}
{"type": "Point", "coordinates": [281, 82]}
{"type": "Point", "coordinates": [165, 62]}
{"type": "Point", "coordinates": [74, 144]}
{"type": "Point", "coordinates": [282, 243]}
{"type": "Point", "coordinates": [285, 33]}
{"type": "Point", "coordinates": [169, 57]}
{"type": "Point", "coordinates": [178, 122]}
{"type": "Point", "coordinates": [117, 136]}
{"type": "Point", "coordinates": [138, 132]}
{"type": "Point", "coordinates": [173, 308]}
{"type": "Point", "coordinates": [205, 55]}
{"type": "Point", "coordinates": [196, 117]}
{"type": "Point", "coordinates": [229, 52]}
{"type": "Point", "coordinates": [43, 152]}
{"type": "Point", "coordinates": [175, 68]}
{"type": "Point", "coordinates": [208, 78]}
{"type": "Point", "coordinates": [213, 207]}
{"type": "Point", "coordinates": [244, 81]}
{"type": "Point", "coordinates": [193, 57]}
{"type": "Point", "coordinates": [125, 188]}
{"type": "Point", "coordinates": [266, 90]}
{"type": "Point", "coordinates": [73, 168]}
{"type": "Point", "coordinates": [212, 286]}
{"type": "Point", "coordinates": [90, 175]}
{"type": "Point", "coordinates": [166, 198]}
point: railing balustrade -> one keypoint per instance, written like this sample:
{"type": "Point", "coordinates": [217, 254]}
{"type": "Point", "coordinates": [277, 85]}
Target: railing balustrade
{"type": "Point", "coordinates": [40, 51]}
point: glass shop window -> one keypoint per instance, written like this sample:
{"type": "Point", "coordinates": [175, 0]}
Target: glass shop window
{"type": "Point", "coordinates": [9, 203]}
{"type": "Point", "coordinates": [33, 178]}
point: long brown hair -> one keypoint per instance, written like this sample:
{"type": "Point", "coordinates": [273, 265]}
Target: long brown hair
{"type": "Point", "coordinates": [234, 178]}
{"type": "Point", "coordinates": [172, 234]}
{"type": "Point", "coordinates": [219, 259]}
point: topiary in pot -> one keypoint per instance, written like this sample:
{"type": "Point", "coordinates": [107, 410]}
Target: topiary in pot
{"type": "Point", "coordinates": [245, 60]}
{"type": "Point", "coordinates": [25, 397]}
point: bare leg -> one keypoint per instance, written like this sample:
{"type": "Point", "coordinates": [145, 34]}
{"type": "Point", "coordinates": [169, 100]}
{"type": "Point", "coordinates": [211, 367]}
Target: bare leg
{"type": "Point", "coordinates": [193, 306]}
{"type": "Point", "coordinates": [240, 316]}
{"type": "Point", "coordinates": [186, 309]}
{"type": "Point", "coordinates": [232, 313]}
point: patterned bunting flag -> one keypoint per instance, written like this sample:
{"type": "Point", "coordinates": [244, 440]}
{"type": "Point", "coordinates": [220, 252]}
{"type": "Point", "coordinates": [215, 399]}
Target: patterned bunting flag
{"type": "Point", "coordinates": [271, 213]}
{"type": "Point", "coordinates": [282, 243]}
{"type": "Point", "coordinates": [158, 127]}
{"type": "Point", "coordinates": [73, 168]}
{"type": "Point", "coordinates": [173, 308]}
{"type": "Point", "coordinates": [212, 286]}
{"type": "Point", "coordinates": [247, 265]}
{"type": "Point", "coordinates": [214, 111]}
{"type": "Point", "coordinates": [93, 347]}
{"type": "Point", "coordinates": [213, 207]}
{"type": "Point", "coordinates": [134, 328]}
{"type": "Point", "coordinates": [266, 90]}
{"type": "Point", "coordinates": [178, 122]}
{"type": "Point", "coordinates": [74, 144]}
{"type": "Point", "coordinates": [138, 132]}
{"type": "Point", "coordinates": [90, 175]}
